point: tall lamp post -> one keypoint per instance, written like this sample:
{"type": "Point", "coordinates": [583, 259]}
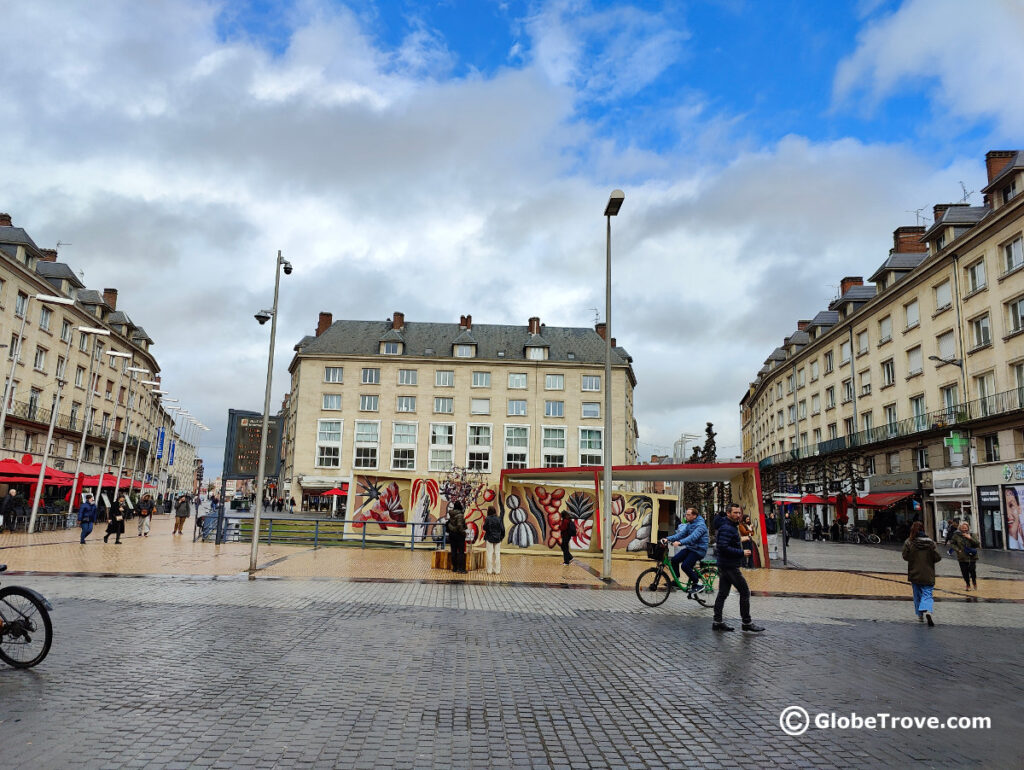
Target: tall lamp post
{"type": "Point", "coordinates": [88, 405]}
{"type": "Point", "coordinates": [110, 428]}
{"type": "Point", "coordinates": [610, 210]}
{"type": "Point", "coordinates": [959, 362]}
{"type": "Point", "coordinates": [136, 373]}
{"type": "Point", "coordinates": [262, 317]}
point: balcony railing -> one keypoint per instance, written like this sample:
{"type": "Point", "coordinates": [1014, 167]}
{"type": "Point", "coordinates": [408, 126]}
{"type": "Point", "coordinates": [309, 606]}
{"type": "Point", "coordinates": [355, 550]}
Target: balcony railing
{"type": "Point", "coordinates": [979, 409]}
{"type": "Point", "coordinates": [26, 410]}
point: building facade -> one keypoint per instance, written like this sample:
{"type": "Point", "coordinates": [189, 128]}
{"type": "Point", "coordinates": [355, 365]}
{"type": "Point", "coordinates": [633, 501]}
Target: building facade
{"type": "Point", "coordinates": [911, 385]}
{"type": "Point", "coordinates": [45, 343]}
{"type": "Point", "coordinates": [410, 400]}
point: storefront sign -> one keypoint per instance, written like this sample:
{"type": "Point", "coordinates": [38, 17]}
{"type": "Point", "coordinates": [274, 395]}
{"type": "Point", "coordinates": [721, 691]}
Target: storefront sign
{"type": "Point", "coordinates": [894, 482]}
{"type": "Point", "coordinates": [955, 481]}
{"type": "Point", "coordinates": [989, 496]}
{"type": "Point", "coordinates": [1013, 472]}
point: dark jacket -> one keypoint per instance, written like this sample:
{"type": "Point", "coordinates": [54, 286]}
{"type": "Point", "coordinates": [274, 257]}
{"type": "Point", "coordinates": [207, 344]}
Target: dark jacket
{"type": "Point", "coordinates": [494, 529]}
{"type": "Point", "coordinates": [10, 504]}
{"type": "Point", "coordinates": [730, 549]}
{"type": "Point", "coordinates": [146, 507]}
{"type": "Point", "coordinates": [961, 544]}
{"type": "Point", "coordinates": [456, 526]}
{"type": "Point", "coordinates": [921, 556]}
{"type": "Point", "coordinates": [87, 513]}
{"type": "Point", "coordinates": [183, 508]}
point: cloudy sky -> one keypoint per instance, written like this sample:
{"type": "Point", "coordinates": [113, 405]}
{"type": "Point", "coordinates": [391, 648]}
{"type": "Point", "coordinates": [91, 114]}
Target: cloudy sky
{"type": "Point", "coordinates": [451, 157]}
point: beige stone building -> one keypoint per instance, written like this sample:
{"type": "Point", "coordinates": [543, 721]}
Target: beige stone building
{"type": "Point", "coordinates": [865, 396]}
{"type": "Point", "coordinates": [409, 399]}
{"type": "Point", "coordinates": [37, 333]}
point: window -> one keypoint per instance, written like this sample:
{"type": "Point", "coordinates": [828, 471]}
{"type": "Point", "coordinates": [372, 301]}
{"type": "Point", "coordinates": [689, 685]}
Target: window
{"type": "Point", "coordinates": [21, 305]}
{"type": "Point", "coordinates": [814, 371]}
{"type": "Point", "coordinates": [1009, 192]}
{"type": "Point", "coordinates": [14, 350]}
{"type": "Point", "coordinates": [478, 456]}
{"type": "Point", "coordinates": [849, 428]}
{"type": "Point", "coordinates": [328, 443]}
{"type": "Point", "coordinates": [867, 420]}
{"type": "Point", "coordinates": [592, 382]}
{"type": "Point", "coordinates": [893, 461]}
{"type": "Point", "coordinates": [976, 276]}
{"type": "Point", "coordinates": [912, 313]}
{"type": "Point", "coordinates": [789, 383]}
{"type": "Point", "coordinates": [833, 432]}
{"type": "Point", "coordinates": [815, 404]}
{"type": "Point", "coordinates": [1013, 255]}
{"type": "Point", "coordinates": [333, 374]}
{"type": "Point", "coordinates": [890, 417]}
{"type": "Point", "coordinates": [481, 379]}
{"type": "Point", "coordinates": [802, 411]}
{"type": "Point", "coordinates": [946, 346]}
{"type": "Point", "coordinates": [406, 404]}
{"type": "Point", "coordinates": [80, 377]}
{"type": "Point", "coordinates": [62, 366]}
{"type": "Point", "coordinates": [1015, 315]}
{"type": "Point", "coordinates": [985, 385]}
{"type": "Point", "coordinates": [39, 363]}
{"type": "Point", "coordinates": [862, 343]}
{"type": "Point", "coordinates": [83, 342]}
{"type": "Point", "coordinates": [371, 376]}
{"type": "Point", "coordinates": [45, 316]}
{"type": "Point", "coordinates": [480, 406]}
{"type": "Point", "coordinates": [865, 382]}
{"type": "Point", "coordinates": [332, 401]}
{"type": "Point", "coordinates": [943, 296]}
{"type": "Point", "coordinates": [888, 373]}
{"type": "Point", "coordinates": [844, 351]}
{"type": "Point", "coordinates": [791, 414]}
{"type": "Point", "coordinates": [915, 363]}
{"type": "Point", "coordinates": [991, 448]}
{"type": "Point", "coordinates": [517, 407]}
{"type": "Point", "coordinates": [536, 354]}
{"type": "Point", "coordinates": [517, 446]}
{"type": "Point", "coordinates": [591, 409]}
{"type": "Point", "coordinates": [554, 382]}
{"type": "Point", "coordinates": [950, 397]}
{"type": "Point", "coordinates": [817, 435]}
{"type": "Point", "coordinates": [465, 351]}
{"type": "Point", "coordinates": [778, 390]}
{"type": "Point", "coordinates": [917, 409]}
{"type": "Point", "coordinates": [368, 403]}
{"type": "Point", "coordinates": [366, 444]}
{"type": "Point", "coordinates": [591, 443]}
{"type": "Point", "coordinates": [516, 381]}
{"type": "Point", "coordinates": [65, 331]}
{"type": "Point", "coordinates": [830, 397]}
{"type": "Point", "coordinates": [554, 409]}
{"type": "Point", "coordinates": [406, 376]}
{"type": "Point", "coordinates": [829, 364]}
{"type": "Point", "coordinates": [847, 390]}
{"type": "Point", "coordinates": [444, 405]}
{"type": "Point", "coordinates": [442, 446]}
{"type": "Point", "coordinates": [553, 448]}
{"type": "Point", "coordinates": [389, 348]}
{"type": "Point", "coordinates": [800, 377]}
{"type": "Point", "coordinates": [980, 332]}
{"type": "Point", "coordinates": [921, 458]}
{"type": "Point", "coordinates": [403, 446]}
{"type": "Point", "coordinates": [885, 329]}
{"type": "Point", "coordinates": [778, 419]}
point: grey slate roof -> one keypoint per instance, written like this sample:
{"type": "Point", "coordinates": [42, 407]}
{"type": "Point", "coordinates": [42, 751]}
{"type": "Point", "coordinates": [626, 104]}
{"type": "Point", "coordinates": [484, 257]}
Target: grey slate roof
{"type": "Point", "coordinates": [900, 261]}
{"type": "Point", "coordinates": [119, 318]}
{"type": "Point", "coordinates": [361, 338]}
{"type": "Point", "coordinates": [392, 335]}
{"type": "Point", "coordinates": [777, 355]}
{"type": "Point", "coordinates": [59, 271]}
{"type": "Point", "coordinates": [825, 318]}
{"type": "Point", "coordinates": [855, 294]}
{"type": "Point", "coordinates": [90, 297]}
{"type": "Point", "coordinates": [16, 236]}
{"type": "Point", "coordinates": [958, 215]}
{"type": "Point", "coordinates": [1016, 164]}
{"type": "Point", "coordinates": [799, 338]}
{"type": "Point", "coordinates": [140, 334]}
{"type": "Point", "coordinates": [466, 338]}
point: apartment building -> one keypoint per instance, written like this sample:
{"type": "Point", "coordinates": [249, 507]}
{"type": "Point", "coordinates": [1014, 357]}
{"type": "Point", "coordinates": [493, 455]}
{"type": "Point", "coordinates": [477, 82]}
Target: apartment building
{"type": "Point", "coordinates": [44, 343]}
{"type": "Point", "coordinates": [407, 399]}
{"type": "Point", "coordinates": [910, 386]}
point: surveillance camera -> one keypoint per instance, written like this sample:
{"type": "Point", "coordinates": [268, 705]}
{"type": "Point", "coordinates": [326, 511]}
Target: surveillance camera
{"type": "Point", "coordinates": [287, 268]}
{"type": "Point", "coordinates": [263, 316]}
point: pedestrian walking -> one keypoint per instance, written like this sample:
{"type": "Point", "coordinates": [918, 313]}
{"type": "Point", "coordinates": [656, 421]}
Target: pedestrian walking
{"type": "Point", "coordinates": [291, 505]}
{"type": "Point", "coordinates": [494, 533]}
{"type": "Point", "coordinates": [730, 556]}
{"type": "Point", "coordinates": [182, 510]}
{"type": "Point", "coordinates": [746, 530]}
{"type": "Point", "coordinates": [952, 529]}
{"type": "Point", "coordinates": [86, 517]}
{"type": "Point", "coordinates": [8, 509]}
{"type": "Point", "coordinates": [921, 555]}
{"type": "Point", "coordinates": [819, 530]}
{"type": "Point", "coordinates": [966, 547]}
{"type": "Point", "coordinates": [146, 508]}
{"type": "Point", "coordinates": [115, 522]}
{"type": "Point", "coordinates": [567, 531]}
{"type": "Point", "coordinates": [457, 537]}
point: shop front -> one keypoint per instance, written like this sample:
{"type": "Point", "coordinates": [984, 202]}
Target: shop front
{"type": "Point", "coordinates": [951, 498]}
{"type": "Point", "coordinates": [892, 501]}
{"type": "Point", "coordinates": [323, 495]}
{"type": "Point", "coordinates": [990, 517]}
{"type": "Point", "coordinates": [1000, 493]}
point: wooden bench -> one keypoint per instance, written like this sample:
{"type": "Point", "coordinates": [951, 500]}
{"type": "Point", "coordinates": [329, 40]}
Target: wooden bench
{"type": "Point", "coordinates": [443, 560]}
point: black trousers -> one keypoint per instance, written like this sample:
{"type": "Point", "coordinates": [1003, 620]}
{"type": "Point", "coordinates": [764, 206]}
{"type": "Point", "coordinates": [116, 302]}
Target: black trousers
{"type": "Point", "coordinates": [727, 578]}
{"type": "Point", "coordinates": [969, 569]}
{"type": "Point", "coordinates": [458, 554]}
{"type": "Point", "coordinates": [566, 556]}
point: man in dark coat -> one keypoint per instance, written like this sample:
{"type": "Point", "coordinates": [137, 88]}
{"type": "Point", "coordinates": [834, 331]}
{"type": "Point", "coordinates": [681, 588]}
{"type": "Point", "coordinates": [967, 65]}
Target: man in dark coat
{"type": "Point", "coordinates": [86, 517]}
{"type": "Point", "coordinates": [8, 509]}
{"type": "Point", "coordinates": [730, 557]}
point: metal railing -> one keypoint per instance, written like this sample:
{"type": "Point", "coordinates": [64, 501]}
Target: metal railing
{"type": "Point", "coordinates": [323, 532]}
{"type": "Point", "coordinates": [941, 419]}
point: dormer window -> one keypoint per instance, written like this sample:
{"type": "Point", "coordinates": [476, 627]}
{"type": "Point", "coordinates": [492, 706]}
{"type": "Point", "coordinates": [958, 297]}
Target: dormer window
{"type": "Point", "coordinates": [537, 354]}
{"type": "Point", "coordinates": [940, 242]}
{"type": "Point", "coordinates": [465, 351]}
{"type": "Point", "coordinates": [391, 348]}
{"type": "Point", "coordinates": [1009, 192]}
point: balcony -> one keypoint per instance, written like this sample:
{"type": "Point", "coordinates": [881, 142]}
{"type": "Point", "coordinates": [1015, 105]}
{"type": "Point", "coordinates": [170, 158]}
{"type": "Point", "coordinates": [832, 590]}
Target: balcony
{"type": "Point", "coordinates": [961, 414]}
{"type": "Point", "coordinates": [32, 412]}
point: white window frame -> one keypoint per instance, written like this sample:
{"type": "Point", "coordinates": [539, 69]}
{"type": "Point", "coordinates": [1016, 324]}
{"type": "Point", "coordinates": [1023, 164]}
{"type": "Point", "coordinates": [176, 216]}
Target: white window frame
{"type": "Point", "coordinates": [39, 361]}
{"type": "Point", "coordinates": [45, 316]}
{"type": "Point", "coordinates": [1015, 315]}
{"type": "Point", "coordinates": [594, 382]}
{"type": "Point", "coordinates": [484, 450]}
{"type": "Point", "coordinates": [536, 353]}
{"type": "Point", "coordinates": [325, 404]}
{"type": "Point", "coordinates": [481, 380]}
{"type": "Point", "coordinates": [514, 411]}
{"type": "Point", "coordinates": [1013, 254]}
{"type": "Point", "coordinates": [885, 329]}
{"type": "Point", "coordinates": [405, 404]}
{"type": "Point", "coordinates": [512, 385]}
{"type": "Point", "coordinates": [554, 382]}
{"type": "Point", "coordinates": [480, 406]}
{"type": "Point", "coordinates": [369, 402]}
{"type": "Point", "coordinates": [465, 351]}
{"type": "Point", "coordinates": [943, 295]}
{"type": "Point", "coordinates": [436, 449]}
{"type": "Point", "coordinates": [974, 274]}
{"type": "Point", "coordinates": [444, 378]}
{"type": "Point", "coordinates": [363, 444]}
{"type": "Point", "coordinates": [555, 451]}
{"type": "Point", "coordinates": [328, 443]}
{"type": "Point", "coordinates": [912, 318]}
{"type": "Point", "coordinates": [66, 330]}
{"type": "Point", "coordinates": [334, 374]}
{"type": "Point", "coordinates": [440, 401]}
{"type": "Point", "coordinates": [976, 325]}
{"type": "Point", "coordinates": [407, 377]}
{"type": "Point", "coordinates": [390, 349]}
{"type": "Point", "coordinates": [915, 361]}
{"type": "Point", "coordinates": [888, 372]}
{"type": "Point", "coordinates": [589, 451]}
{"type": "Point", "coordinates": [516, 448]}
{"type": "Point", "coordinates": [583, 410]}
{"type": "Point", "coordinates": [408, 463]}
{"type": "Point", "coordinates": [550, 407]}
{"type": "Point", "coordinates": [370, 375]}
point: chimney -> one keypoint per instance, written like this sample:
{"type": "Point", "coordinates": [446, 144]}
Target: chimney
{"type": "Point", "coordinates": [48, 255]}
{"type": "Point", "coordinates": [907, 239]}
{"type": "Point", "coordinates": [938, 211]}
{"type": "Point", "coordinates": [614, 343]}
{"type": "Point", "coordinates": [802, 325]}
{"type": "Point", "coordinates": [109, 295]}
{"type": "Point", "coordinates": [995, 161]}
{"type": "Point", "coordinates": [534, 324]}
{"type": "Point", "coordinates": [5, 220]}
{"type": "Point", "coordinates": [469, 322]}
{"type": "Point", "coordinates": [600, 329]}
{"type": "Point", "coordinates": [848, 282]}
{"type": "Point", "coordinates": [398, 321]}
{"type": "Point", "coordinates": [324, 322]}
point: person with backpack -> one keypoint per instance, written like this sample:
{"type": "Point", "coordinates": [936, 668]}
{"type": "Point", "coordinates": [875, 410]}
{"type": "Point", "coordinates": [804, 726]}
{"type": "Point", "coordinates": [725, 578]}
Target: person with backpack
{"type": "Point", "coordinates": [966, 546]}
{"type": "Point", "coordinates": [456, 527]}
{"type": "Point", "coordinates": [494, 533]}
{"type": "Point", "coordinates": [567, 531]}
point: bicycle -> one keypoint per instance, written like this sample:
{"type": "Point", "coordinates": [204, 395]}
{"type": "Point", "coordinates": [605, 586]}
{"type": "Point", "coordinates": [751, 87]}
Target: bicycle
{"type": "Point", "coordinates": [655, 584]}
{"type": "Point", "coordinates": [860, 537]}
{"type": "Point", "coordinates": [26, 632]}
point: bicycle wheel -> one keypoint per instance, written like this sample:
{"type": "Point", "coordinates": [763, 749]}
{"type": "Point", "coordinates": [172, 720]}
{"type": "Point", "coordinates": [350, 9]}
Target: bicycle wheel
{"type": "Point", "coordinates": [874, 539]}
{"type": "Point", "coordinates": [708, 576]}
{"type": "Point", "coordinates": [653, 586]}
{"type": "Point", "coordinates": [25, 629]}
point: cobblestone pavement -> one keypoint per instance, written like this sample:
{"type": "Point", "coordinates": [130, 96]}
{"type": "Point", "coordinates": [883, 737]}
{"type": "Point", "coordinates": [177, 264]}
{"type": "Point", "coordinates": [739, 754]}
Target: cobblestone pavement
{"type": "Point", "coordinates": [227, 672]}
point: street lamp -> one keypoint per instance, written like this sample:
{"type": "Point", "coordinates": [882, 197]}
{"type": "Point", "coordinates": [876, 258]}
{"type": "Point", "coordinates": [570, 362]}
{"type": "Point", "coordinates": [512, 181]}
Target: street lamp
{"type": "Point", "coordinates": [261, 317]}
{"type": "Point", "coordinates": [46, 299]}
{"type": "Point", "coordinates": [126, 357]}
{"type": "Point", "coordinates": [61, 374]}
{"type": "Point", "coordinates": [944, 361]}
{"type": "Point", "coordinates": [88, 403]}
{"type": "Point", "coordinates": [135, 370]}
{"type": "Point", "coordinates": [610, 210]}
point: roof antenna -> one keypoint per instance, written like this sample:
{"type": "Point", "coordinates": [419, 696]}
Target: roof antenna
{"type": "Point", "coordinates": [597, 314]}
{"type": "Point", "coordinates": [63, 243]}
{"type": "Point", "coordinates": [967, 195]}
{"type": "Point", "coordinates": [917, 214]}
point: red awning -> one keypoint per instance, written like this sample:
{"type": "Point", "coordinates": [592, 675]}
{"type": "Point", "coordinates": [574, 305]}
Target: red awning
{"type": "Point", "coordinates": [882, 499]}
{"type": "Point", "coordinates": [815, 500]}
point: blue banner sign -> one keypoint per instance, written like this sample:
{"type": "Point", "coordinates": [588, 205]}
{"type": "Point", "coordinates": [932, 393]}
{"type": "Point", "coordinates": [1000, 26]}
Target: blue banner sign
{"type": "Point", "coordinates": [160, 443]}
{"type": "Point", "coordinates": [171, 460]}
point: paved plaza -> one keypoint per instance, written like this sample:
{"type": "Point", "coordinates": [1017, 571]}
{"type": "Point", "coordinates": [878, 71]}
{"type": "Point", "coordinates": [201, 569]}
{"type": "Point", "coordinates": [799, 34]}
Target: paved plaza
{"type": "Point", "coordinates": [167, 655]}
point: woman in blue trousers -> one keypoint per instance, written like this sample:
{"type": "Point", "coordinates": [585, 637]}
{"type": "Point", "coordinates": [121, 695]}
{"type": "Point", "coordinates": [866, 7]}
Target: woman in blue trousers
{"type": "Point", "coordinates": [921, 556]}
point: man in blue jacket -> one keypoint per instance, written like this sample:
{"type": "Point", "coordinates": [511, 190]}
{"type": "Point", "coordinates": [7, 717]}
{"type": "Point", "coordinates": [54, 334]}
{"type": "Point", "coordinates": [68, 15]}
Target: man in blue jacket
{"type": "Point", "coordinates": [86, 517]}
{"type": "Point", "coordinates": [730, 557]}
{"type": "Point", "coordinates": [692, 535]}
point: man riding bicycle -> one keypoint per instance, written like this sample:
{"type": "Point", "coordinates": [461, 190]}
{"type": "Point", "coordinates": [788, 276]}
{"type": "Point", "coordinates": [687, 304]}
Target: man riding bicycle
{"type": "Point", "coordinates": [692, 535]}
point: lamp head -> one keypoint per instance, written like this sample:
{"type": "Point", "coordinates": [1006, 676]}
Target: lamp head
{"type": "Point", "coordinates": [614, 203]}
{"type": "Point", "coordinates": [263, 316]}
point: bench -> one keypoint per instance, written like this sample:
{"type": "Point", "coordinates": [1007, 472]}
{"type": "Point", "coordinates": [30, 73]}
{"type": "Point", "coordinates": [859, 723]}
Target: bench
{"type": "Point", "coordinates": [443, 560]}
